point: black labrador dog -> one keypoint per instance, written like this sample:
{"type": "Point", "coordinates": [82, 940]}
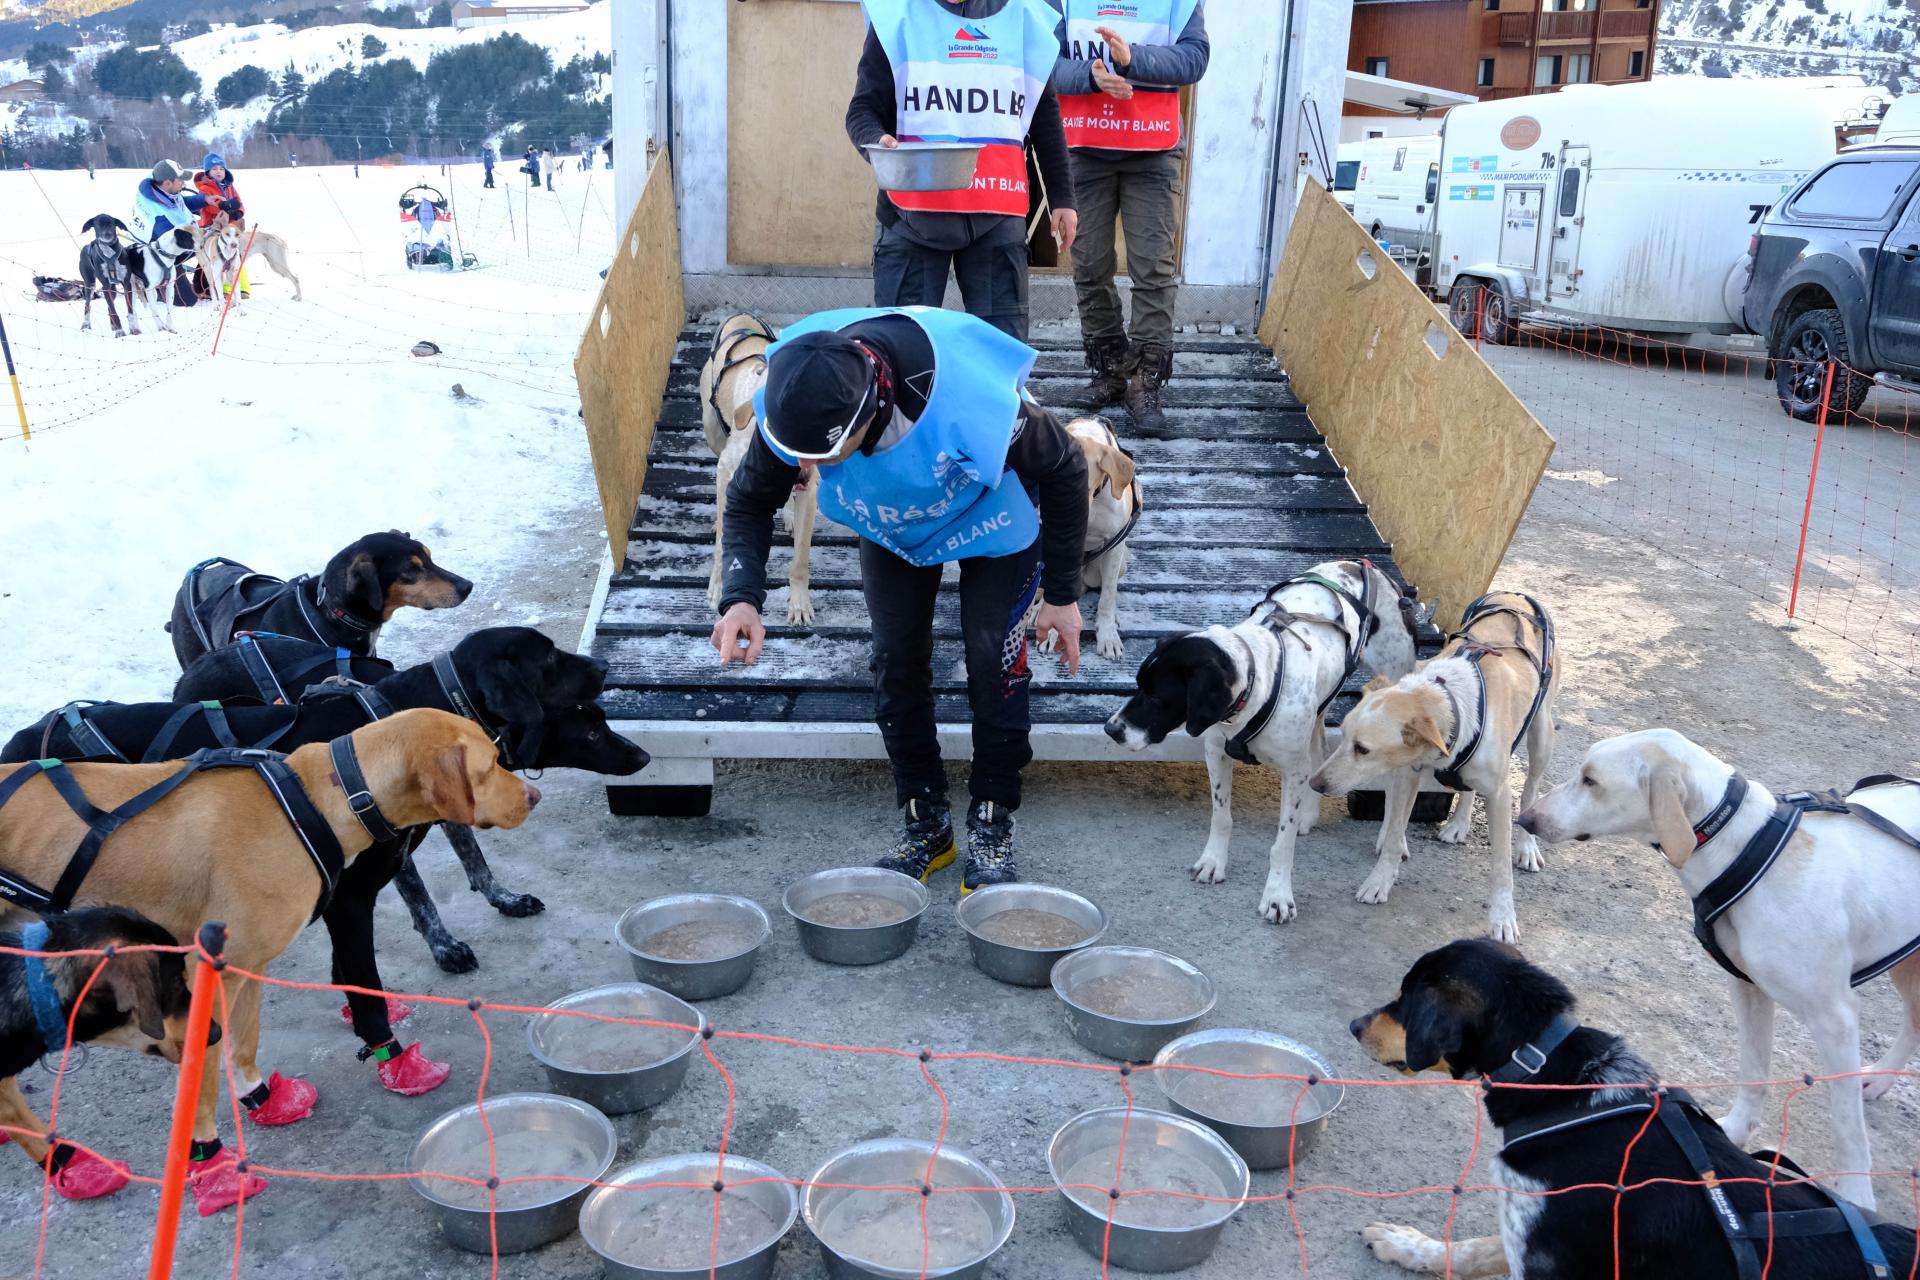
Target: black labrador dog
{"type": "Point", "coordinates": [363, 586]}
{"type": "Point", "coordinates": [534, 699]}
{"type": "Point", "coordinates": [103, 266]}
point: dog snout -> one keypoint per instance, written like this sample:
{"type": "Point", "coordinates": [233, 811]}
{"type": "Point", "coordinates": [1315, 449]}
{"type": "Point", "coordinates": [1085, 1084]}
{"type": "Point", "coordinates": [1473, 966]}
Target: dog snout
{"type": "Point", "coordinates": [533, 797]}
{"type": "Point", "coordinates": [1116, 728]}
{"type": "Point", "coordinates": [461, 587]}
{"type": "Point", "coordinates": [1358, 1026]}
{"type": "Point", "coordinates": [1529, 821]}
{"type": "Point", "coordinates": [1319, 784]}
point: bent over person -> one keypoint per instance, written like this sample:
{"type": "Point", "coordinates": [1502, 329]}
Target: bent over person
{"type": "Point", "coordinates": [928, 448]}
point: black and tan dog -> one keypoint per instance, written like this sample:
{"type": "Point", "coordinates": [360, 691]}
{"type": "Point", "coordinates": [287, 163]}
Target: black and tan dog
{"type": "Point", "coordinates": [103, 266]}
{"type": "Point", "coordinates": [363, 586]}
{"type": "Point", "coordinates": [1696, 1208]}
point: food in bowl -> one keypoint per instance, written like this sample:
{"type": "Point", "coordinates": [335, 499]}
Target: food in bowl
{"type": "Point", "coordinates": [1032, 929]}
{"type": "Point", "coordinates": [855, 910]}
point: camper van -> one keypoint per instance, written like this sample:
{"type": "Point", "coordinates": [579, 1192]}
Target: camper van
{"type": "Point", "coordinates": [1346, 171]}
{"type": "Point", "coordinates": [1393, 192]}
{"type": "Point", "coordinates": [1626, 206]}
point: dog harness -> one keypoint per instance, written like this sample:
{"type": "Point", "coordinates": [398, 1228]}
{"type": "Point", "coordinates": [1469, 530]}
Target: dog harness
{"type": "Point", "coordinates": [1278, 621]}
{"type": "Point", "coordinates": [90, 742]}
{"type": "Point", "coordinates": [315, 833]}
{"type": "Point", "coordinates": [1759, 854]}
{"type": "Point", "coordinates": [221, 594]}
{"type": "Point", "coordinates": [1475, 652]}
{"type": "Point", "coordinates": [40, 992]}
{"type": "Point", "coordinates": [723, 347]}
{"type": "Point", "coordinates": [271, 683]}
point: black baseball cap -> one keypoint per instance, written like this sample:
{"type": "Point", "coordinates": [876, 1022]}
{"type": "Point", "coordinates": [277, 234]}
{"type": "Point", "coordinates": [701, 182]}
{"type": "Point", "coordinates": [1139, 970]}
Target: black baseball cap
{"type": "Point", "coordinates": [820, 386]}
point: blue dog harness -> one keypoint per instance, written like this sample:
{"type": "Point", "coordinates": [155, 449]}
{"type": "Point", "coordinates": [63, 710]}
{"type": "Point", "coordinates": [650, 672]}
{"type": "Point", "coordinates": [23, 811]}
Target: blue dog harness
{"type": "Point", "coordinates": [40, 993]}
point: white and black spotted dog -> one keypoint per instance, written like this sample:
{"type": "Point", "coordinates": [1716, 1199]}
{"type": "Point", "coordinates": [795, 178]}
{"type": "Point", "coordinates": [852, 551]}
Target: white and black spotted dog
{"type": "Point", "coordinates": [152, 267]}
{"type": "Point", "coordinates": [1258, 692]}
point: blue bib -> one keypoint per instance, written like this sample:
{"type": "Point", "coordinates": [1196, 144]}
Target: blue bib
{"type": "Point", "coordinates": [965, 79]}
{"type": "Point", "coordinates": [940, 493]}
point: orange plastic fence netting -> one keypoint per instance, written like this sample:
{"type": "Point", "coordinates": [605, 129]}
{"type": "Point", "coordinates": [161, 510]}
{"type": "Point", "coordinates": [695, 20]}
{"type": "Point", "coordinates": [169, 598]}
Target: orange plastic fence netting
{"type": "Point", "coordinates": [1473, 1178]}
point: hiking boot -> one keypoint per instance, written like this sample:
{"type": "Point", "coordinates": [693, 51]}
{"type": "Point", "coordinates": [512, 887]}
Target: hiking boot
{"type": "Point", "coordinates": [927, 844]}
{"type": "Point", "coordinates": [1153, 365]}
{"type": "Point", "coordinates": [1108, 358]}
{"type": "Point", "coordinates": [989, 847]}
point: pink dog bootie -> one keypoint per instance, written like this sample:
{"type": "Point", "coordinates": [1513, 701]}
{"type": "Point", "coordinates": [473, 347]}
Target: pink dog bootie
{"type": "Point", "coordinates": [218, 1182]}
{"type": "Point", "coordinates": [408, 1072]}
{"type": "Point", "coordinates": [86, 1176]}
{"type": "Point", "coordinates": [396, 1012]}
{"type": "Point", "coordinates": [279, 1100]}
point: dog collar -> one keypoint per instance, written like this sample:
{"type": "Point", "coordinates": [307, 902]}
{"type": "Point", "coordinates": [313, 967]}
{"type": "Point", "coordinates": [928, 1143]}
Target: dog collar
{"type": "Point", "coordinates": [1530, 1058]}
{"type": "Point", "coordinates": [348, 777]}
{"type": "Point", "coordinates": [340, 613]}
{"type": "Point", "coordinates": [463, 705]}
{"type": "Point", "coordinates": [40, 992]}
{"type": "Point", "coordinates": [1715, 822]}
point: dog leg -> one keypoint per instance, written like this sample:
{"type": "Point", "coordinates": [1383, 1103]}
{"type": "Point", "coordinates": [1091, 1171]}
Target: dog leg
{"type": "Point", "coordinates": [243, 1029]}
{"type": "Point", "coordinates": [1906, 980]}
{"type": "Point", "coordinates": [1501, 923]}
{"type": "Point", "coordinates": [1307, 815]}
{"type": "Point", "coordinates": [1212, 867]}
{"type": "Point", "coordinates": [349, 921]}
{"type": "Point", "coordinates": [449, 952]}
{"type": "Point", "coordinates": [86, 310]}
{"type": "Point", "coordinates": [1418, 1252]}
{"type": "Point", "coordinates": [805, 507]}
{"type": "Point", "coordinates": [1753, 1023]}
{"type": "Point", "coordinates": [719, 535]}
{"type": "Point", "coordinates": [17, 1121]}
{"type": "Point", "coordinates": [1391, 844]}
{"type": "Point", "coordinates": [1276, 900]}
{"type": "Point", "coordinates": [133, 317]}
{"type": "Point", "coordinates": [466, 847]}
{"type": "Point", "coordinates": [1540, 734]}
{"type": "Point", "coordinates": [1836, 1035]}
{"type": "Point", "coordinates": [1460, 824]}
{"type": "Point", "coordinates": [1106, 632]}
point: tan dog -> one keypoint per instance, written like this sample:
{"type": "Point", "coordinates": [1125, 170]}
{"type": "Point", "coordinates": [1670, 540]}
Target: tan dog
{"type": "Point", "coordinates": [1459, 716]}
{"type": "Point", "coordinates": [220, 848]}
{"type": "Point", "coordinates": [223, 250]}
{"type": "Point", "coordinates": [1113, 506]}
{"type": "Point", "coordinates": [735, 370]}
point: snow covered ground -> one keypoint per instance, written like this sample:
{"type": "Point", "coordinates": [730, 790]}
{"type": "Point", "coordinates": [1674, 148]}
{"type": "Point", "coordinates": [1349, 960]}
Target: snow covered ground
{"type": "Point", "coordinates": [313, 425]}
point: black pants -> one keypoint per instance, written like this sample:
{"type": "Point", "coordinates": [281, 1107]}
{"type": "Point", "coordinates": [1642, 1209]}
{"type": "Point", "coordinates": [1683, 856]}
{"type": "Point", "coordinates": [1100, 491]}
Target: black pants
{"type": "Point", "coordinates": [995, 594]}
{"type": "Point", "coordinates": [991, 271]}
{"type": "Point", "coordinates": [489, 175]}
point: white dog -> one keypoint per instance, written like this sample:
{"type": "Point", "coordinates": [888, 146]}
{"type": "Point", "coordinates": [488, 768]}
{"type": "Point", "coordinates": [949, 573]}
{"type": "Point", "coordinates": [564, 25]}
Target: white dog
{"type": "Point", "coordinates": [226, 246]}
{"type": "Point", "coordinates": [1113, 508]}
{"type": "Point", "coordinates": [735, 369]}
{"type": "Point", "coordinates": [1838, 904]}
{"type": "Point", "coordinates": [1259, 691]}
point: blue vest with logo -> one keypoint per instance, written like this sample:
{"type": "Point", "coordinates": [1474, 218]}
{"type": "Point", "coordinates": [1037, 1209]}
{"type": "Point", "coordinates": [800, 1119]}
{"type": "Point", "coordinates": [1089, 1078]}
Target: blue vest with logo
{"type": "Point", "coordinates": [941, 492]}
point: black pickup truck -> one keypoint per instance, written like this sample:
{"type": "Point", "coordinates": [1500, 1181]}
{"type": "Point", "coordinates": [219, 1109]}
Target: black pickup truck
{"type": "Point", "coordinates": [1836, 280]}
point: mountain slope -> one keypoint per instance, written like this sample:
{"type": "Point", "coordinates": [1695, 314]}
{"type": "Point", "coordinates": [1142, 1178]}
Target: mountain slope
{"type": "Point", "coordinates": [1874, 39]}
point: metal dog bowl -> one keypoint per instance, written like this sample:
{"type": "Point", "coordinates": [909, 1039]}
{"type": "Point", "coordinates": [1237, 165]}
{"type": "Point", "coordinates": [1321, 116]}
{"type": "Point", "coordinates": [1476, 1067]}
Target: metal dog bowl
{"type": "Point", "coordinates": [868, 1234]}
{"type": "Point", "coordinates": [857, 944]}
{"type": "Point", "coordinates": [1163, 1152]}
{"type": "Point", "coordinates": [1085, 978]}
{"type": "Point", "coordinates": [1269, 1122]}
{"type": "Point", "coordinates": [1025, 966]}
{"type": "Point", "coordinates": [924, 166]}
{"type": "Point", "coordinates": [615, 1067]}
{"type": "Point", "coordinates": [717, 968]}
{"type": "Point", "coordinates": [535, 1135]}
{"type": "Point", "coordinates": [644, 1232]}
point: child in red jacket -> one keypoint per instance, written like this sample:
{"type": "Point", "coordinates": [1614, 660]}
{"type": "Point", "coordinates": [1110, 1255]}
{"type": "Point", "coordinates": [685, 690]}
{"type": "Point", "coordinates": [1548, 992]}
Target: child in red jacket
{"type": "Point", "coordinates": [215, 181]}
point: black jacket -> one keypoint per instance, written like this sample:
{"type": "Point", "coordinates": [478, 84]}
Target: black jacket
{"type": "Point", "coordinates": [872, 114]}
{"type": "Point", "coordinates": [1043, 458]}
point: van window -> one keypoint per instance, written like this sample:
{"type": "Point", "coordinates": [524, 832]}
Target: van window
{"type": "Point", "coordinates": [1862, 190]}
{"type": "Point", "coordinates": [1570, 191]}
{"type": "Point", "coordinates": [1345, 175]}
{"type": "Point", "coordinates": [1433, 182]}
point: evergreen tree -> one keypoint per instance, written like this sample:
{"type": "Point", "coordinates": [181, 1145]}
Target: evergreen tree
{"type": "Point", "coordinates": [237, 88]}
{"type": "Point", "coordinates": [372, 46]}
{"type": "Point", "coordinates": [441, 15]}
{"type": "Point", "coordinates": [293, 85]}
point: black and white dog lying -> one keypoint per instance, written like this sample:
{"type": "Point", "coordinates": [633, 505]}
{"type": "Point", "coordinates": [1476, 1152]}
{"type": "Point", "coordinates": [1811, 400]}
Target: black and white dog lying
{"type": "Point", "coordinates": [103, 266]}
{"type": "Point", "coordinates": [1590, 1120]}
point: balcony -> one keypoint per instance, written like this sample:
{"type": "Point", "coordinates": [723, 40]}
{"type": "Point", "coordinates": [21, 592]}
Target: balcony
{"type": "Point", "coordinates": [1569, 25]}
{"type": "Point", "coordinates": [1626, 24]}
{"type": "Point", "coordinates": [1516, 29]}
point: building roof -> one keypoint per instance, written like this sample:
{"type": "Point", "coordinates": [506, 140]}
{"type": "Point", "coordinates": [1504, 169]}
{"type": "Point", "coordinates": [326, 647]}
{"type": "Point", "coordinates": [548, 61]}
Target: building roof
{"type": "Point", "coordinates": [525, 4]}
{"type": "Point", "coordinates": [1402, 97]}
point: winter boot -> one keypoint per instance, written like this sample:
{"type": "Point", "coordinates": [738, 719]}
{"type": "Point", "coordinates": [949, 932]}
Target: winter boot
{"type": "Point", "coordinates": [1108, 358]}
{"type": "Point", "coordinates": [927, 844]}
{"type": "Point", "coordinates": [989, 847]}
{"type": "Point", "coordinates": [1153, 365]}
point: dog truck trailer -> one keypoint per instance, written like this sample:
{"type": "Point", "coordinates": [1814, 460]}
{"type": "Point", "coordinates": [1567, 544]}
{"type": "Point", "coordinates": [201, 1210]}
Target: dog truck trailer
{"type": "Point", "coordinates": [1618, 206]}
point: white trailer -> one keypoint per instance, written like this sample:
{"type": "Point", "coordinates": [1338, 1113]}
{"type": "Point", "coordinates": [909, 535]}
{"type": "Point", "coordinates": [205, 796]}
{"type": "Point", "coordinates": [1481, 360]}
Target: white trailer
{"type": "Point", "coordinates": [1624, 206]}
{"type": "Point", "coordinates": [1394, 192]}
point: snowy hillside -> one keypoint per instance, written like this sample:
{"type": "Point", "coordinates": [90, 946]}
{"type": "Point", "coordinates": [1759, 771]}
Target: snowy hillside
{"type": "Point", "coordinates": [1874, 39]}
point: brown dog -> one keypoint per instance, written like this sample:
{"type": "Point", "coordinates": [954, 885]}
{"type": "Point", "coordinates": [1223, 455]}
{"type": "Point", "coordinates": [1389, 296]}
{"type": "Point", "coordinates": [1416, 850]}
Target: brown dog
{"type": "Point", "coordinates": [220, 847]}
{"type": "Point", "coordinates": [1113, 505]}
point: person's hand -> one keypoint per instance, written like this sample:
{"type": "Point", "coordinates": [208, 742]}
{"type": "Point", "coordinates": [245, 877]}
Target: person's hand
{"type": "Point", "coordinates": [1117, 47]}
{"type": "Point", "coordinates": [1114, 86]}
{"type": "Point", "coordinates": [1066, 225]}
{"type": "Point", "coordinates": [1062, 620]}
{"type": "Point", "coordinates": [888, 141]}
{"type": "Point", "coordinates": [743, 622]}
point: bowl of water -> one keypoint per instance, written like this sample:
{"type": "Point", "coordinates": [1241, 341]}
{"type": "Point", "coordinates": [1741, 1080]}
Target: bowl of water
{"type": "Point", "coordinates": [545, 1150]}
{"type": "Point", "coordinates": [1126, 1002]}
{"type": "Point", "coordinates": [1018, 932]}
{"type": "Point", "coordinates": [879, 1234]}
{"type": "Point", "coordinates": [924, 166]}
{"type": "Point", "coordinates": [1271, 1122]}
{"type": "Point", "coordinates": [1178, 1184]}
{"type": "Point", "coordinates": [857, 915]}
{"type": "Point", "coordinates": [695, 945]}
{"type": "Point", "coordinates": [616, 1066]}
{"type": "Point", "coordinates": [644, 1230]}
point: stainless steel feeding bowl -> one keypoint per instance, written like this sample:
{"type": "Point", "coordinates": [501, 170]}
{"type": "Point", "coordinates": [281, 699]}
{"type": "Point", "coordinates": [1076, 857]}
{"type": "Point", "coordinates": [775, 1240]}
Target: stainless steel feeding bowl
{"type": "Point", "coordinates": [1026, 964]}
{"type": "Point", "coordinates": [1164, 1153]}
{"type": "Point", "coordinates": [710, 944]}
{"type": "Point", "coordinates": [924, 166]}
{"type": "Point", "coordinates": [537, 1136]}
{"type": "Point", "coordinates": [856, 943]}
{"type": "Point", "coordinates": [615, 1066]}
{"type": "Point", "coordinates": [866, 1234]}
{"type": "Point", "coordinates": [645, 1232]}
{"type": "Point", "coordinates": [1125, 1002]}
{"type": "Point", "coordinates": [1269, 1122]}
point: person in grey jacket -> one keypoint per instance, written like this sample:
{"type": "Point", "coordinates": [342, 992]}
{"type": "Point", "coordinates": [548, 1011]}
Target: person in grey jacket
{"type": "Point", "coordinates": [1118, 84]}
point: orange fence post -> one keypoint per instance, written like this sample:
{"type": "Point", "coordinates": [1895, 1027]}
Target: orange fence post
{"type": "Point", "coordinates": [1813, 473]}
{"type": "Point", "coordinates": [186, 1099]}
{"type": "Point", "coordinates": [228, 305]}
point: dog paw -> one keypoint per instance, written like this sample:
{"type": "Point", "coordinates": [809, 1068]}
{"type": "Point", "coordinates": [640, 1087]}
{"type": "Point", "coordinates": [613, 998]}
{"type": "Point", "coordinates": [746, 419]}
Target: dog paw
{"type": "Point", "coordinates": [1526, 853]}
{"type": "Point", "coordinates": [1379, 883]}
{"type": "Point", "coordinates": [1276, 904]}
{"type": "Point", "coordinates": [799, 611]}
{"type": "Point", "coordinates": [1737, 1127]}
{"type": "Point", "coordinates": [515, 904]}
{"type": "Point", "coordinates": [1107, 644]}
{"type": "Point", "coordinates": [1502, 926]}
{"type": "Point", "coordinates": [1211, 869]}
{"type": "Point", "coordinates": [1403, 1246]}
{"type": "Point", "coordinates": [456, 957]}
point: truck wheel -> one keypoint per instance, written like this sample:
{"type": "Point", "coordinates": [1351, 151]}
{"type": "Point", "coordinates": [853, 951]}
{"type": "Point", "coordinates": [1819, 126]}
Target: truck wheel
{"type": "Point", "coordinates": [1465, 309]}
{"type": "Point", "coordinates": [1814, 340]}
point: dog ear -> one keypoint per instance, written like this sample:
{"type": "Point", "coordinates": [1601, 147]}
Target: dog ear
{"type": "Point", "coordinates": [1667, 805]}
{"type": "Point", "coordinates": [88, 224]}
{"type": "Point", "coordinates": [1209, 696]}
{"type": "Point", "coordinates": [1118, 468]}
{"type": "Point", "coordinates": [1377, 683]}
{"type": "Point", "coordinates": [1436, 1031]}
{"type": "Point", "coordinates": [506, 696]}
{"type": "Point", "coordinates": [449, 789]}
{"type": "Point", "coordinates": [130, 977]}
{"type": "Point", "coordinates": [116, 222]}
{"type": "Point", "coordinates": [1423, 728]}
{"type": "Point", "coordinates": [363, 585]}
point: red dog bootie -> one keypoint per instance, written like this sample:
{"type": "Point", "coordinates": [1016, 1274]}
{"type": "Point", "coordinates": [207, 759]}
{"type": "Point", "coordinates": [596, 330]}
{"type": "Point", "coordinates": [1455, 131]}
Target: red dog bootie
{"type": "Point", "coordinates": [408, 1072]}
{"type": "Point", "coordinates": [85, 1176]}
{"type": "Point", "coordinates": [217, 1180]}
{"type": "Point", "coordinates": [279, 1100]}
{"type": "Point", "coordinates": [396, 1012]}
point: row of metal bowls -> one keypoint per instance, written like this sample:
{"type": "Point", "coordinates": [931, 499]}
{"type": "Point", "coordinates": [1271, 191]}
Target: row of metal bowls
{"type": "Point", "coordinates": [544, 1211]}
